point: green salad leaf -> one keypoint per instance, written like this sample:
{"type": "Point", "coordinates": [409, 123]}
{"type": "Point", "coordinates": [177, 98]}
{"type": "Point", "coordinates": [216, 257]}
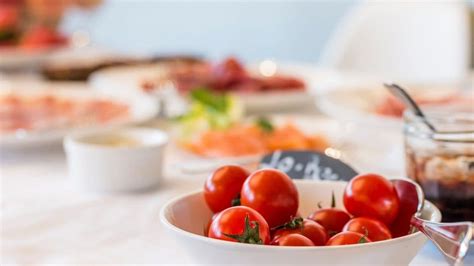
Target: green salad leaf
{"type": "Point", "coordinates": [218, 102]}
{"type": "Point", "coordinates": [208, 111]}
{"type": "Point", "coordinates": [264, 124]}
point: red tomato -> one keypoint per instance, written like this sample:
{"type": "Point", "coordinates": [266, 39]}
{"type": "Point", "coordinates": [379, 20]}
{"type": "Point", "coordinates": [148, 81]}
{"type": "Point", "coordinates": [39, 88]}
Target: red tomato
{"type": "Point", "coordinates": [375, 230]}
{"type": "Point", "coordinates": [371, 195]}
{"type": "Point", "coordinates": [294, 240]}
{"type": "Point", "coordinates": [208, 225]}
{"type": "Point", "coordinates": [271, 193]}
{"type": "Point", "coordinates": [347, 238]}
{"type": "Point", "coordinates": [240, 224]}
{"type": "Point", "coordinates": [331, 218]}
{"type": "Point", "coordinates": [408, 205]}
{"type": "Point", "coordinates": [223, 186]}
{"type": "Point", "coordinates": [308, 228]}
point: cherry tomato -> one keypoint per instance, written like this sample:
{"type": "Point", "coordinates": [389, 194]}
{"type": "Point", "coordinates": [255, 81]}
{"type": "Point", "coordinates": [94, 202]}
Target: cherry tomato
{"type": "Point", "coordinates": [347, 238]}
{"type": "Point", "coordinates": [294, 240]}
{"type": "Point", "coordinates": [271, 193]}
{"type": "Point", "coordinates": [240, 224]}
{"type": "Point", "coordinates": [375, 230]}
{"type": "Point", "coordinates": [408, 205]}
{"type": "Point", "coordinates": [373, 196]}
{"type": "Point", "coordinates": [208, 225]}
{"type": "Point", "coordinates": [331, 218]}
{"type": "Point", "coordinates": [223, 186]}
{"type": "Point", "coordinates": [306, 227]}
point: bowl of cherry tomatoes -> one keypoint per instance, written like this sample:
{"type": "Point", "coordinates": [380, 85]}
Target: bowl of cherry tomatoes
{"type": "Point", "coordinates": [265, 217]}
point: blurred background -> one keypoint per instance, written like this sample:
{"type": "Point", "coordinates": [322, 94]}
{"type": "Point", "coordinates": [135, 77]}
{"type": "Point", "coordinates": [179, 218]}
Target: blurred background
{"type": "Point", "coordinates": [433, 38]}
{"type": "Point", "coordinates": [253, 30]}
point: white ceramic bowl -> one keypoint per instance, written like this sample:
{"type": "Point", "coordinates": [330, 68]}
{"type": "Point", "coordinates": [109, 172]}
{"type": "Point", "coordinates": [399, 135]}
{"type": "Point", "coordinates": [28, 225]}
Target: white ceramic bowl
{"type": "Point", "coordinates": [186, 216]}
{"type": "Point", "coordinates": [116, 161]}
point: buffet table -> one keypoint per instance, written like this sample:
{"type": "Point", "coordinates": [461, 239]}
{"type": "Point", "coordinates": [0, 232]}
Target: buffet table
{"type": "Point", "coordinates": [47, 220]}
{"type": "Point", "coordinates": [55, 82]}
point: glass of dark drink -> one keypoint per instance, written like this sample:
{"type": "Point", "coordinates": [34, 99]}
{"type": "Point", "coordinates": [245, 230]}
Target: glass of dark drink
{"type": "Point", "coordinates": [442, 162]}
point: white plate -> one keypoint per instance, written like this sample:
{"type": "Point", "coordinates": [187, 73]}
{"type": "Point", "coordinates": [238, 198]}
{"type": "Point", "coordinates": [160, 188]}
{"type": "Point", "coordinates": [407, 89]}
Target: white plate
{"type": "Point", "coordinates": [141, 109]}
{"type": "Point", "coordinates": [129, 78]}
{"type": "Point", "coordinates": [124, 79]}
{"type": "Point", "coordinates": [18, 58]}
{"type": "Point", "coordinates": [356, 103]}
{"type": "Point", "coordinates": [188, 163]}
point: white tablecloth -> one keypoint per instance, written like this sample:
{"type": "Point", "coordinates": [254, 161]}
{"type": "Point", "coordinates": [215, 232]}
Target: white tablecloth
{"type": "Point", "coordinates": [46, 220]}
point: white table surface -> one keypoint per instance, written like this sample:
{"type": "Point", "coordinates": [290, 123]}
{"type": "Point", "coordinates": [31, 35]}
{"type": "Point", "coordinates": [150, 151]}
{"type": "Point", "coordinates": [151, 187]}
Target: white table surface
{"type": "Point", "coordinates": [46, 220]}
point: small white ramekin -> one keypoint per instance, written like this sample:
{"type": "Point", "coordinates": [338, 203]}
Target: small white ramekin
{"type": "Point", "coordinates": [104, 168]}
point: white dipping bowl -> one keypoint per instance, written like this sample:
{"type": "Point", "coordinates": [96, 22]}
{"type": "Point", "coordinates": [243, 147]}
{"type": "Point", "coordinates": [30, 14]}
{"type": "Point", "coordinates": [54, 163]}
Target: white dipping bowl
{"type": "Point", "coordinates": [186, 216]}
{"type": "Point", "coordinates": [123, 160]}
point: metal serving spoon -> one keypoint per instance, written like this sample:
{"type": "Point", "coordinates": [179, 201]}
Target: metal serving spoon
{"type": "Point", "coordinates": [403, 96]}
{"type": "Point", "coordinates": [452, 239]}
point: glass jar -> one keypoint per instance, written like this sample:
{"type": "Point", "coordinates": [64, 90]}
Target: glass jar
{"type": "Point", "coordinates": [443, 162]}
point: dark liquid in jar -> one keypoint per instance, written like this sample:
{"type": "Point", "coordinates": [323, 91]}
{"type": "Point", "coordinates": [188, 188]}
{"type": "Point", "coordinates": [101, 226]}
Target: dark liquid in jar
{"type": "Point", "coordinates": [447, 180]}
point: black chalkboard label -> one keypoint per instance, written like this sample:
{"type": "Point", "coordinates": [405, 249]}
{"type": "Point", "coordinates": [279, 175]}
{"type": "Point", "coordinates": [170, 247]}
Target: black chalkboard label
{"type": "Point", "coordinates": [308, 165]}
